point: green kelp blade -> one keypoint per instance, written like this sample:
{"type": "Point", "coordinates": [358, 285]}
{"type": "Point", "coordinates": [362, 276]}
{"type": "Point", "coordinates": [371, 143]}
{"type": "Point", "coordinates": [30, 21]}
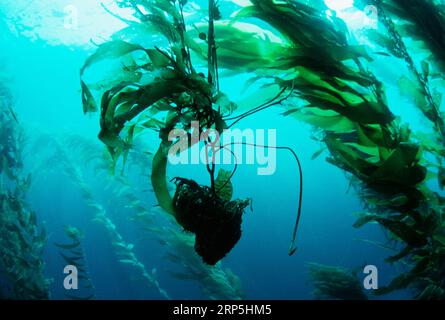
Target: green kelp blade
{"type": "Point", "coordinates": [223, 185]}
{"type": "Point", "coordinates": [413, 90]}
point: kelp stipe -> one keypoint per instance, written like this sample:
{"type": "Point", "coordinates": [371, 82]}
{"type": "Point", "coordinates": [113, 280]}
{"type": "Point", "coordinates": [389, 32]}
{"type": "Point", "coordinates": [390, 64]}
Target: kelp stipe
{"type": "Point", "coordinates": [423, 21]}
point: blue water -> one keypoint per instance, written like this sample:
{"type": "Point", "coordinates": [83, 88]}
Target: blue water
{"type": "Point", "coordinates": [45, 87]}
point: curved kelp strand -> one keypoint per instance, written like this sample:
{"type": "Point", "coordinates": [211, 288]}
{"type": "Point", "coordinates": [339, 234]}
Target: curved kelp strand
{"type": "Point", "coordinates": [293, 246]}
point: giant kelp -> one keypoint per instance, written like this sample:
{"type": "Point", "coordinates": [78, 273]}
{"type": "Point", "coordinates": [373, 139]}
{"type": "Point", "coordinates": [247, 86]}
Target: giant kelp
{"type": "Point", "coordinates": [131, 197]}
{"type": "Point", "coordinates": [215, 282]}
{"type": "Point", "coordinates": [22, 240]}
{"type": "Point", "coordinates": [346, 102]}
{"type": "Point", "coordinates": [415, 30]}
{"type": "Point", "coordinates": [423, 20]}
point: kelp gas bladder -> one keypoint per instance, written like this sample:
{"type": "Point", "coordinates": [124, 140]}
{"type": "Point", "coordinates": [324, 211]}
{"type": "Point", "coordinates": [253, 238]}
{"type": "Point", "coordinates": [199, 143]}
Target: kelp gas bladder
{"type": "Point", "coordinates": [160, 89]}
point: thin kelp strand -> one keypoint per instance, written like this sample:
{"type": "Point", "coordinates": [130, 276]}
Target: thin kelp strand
{"type": "Point", "coordinates": [292, 247]}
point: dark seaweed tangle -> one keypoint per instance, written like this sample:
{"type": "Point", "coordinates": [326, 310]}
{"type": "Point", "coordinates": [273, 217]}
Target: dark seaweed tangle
{"type": "Point", "coordinates": [22, 241]}
{"type": "Point", "coordinates": [347, 104]}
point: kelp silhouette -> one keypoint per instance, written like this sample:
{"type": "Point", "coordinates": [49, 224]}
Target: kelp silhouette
{"type": "Point", "coordinates": [73, 254]}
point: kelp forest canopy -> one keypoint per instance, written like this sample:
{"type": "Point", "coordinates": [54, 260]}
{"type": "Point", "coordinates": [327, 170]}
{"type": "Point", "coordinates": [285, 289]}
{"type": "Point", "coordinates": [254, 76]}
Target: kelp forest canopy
{"type": "Point", "coordinates": [165, 69]}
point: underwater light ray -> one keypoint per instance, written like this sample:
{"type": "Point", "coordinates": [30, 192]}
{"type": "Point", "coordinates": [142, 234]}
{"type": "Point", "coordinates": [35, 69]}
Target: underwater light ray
{"type": "Point", "coordinates": [292, 248]}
